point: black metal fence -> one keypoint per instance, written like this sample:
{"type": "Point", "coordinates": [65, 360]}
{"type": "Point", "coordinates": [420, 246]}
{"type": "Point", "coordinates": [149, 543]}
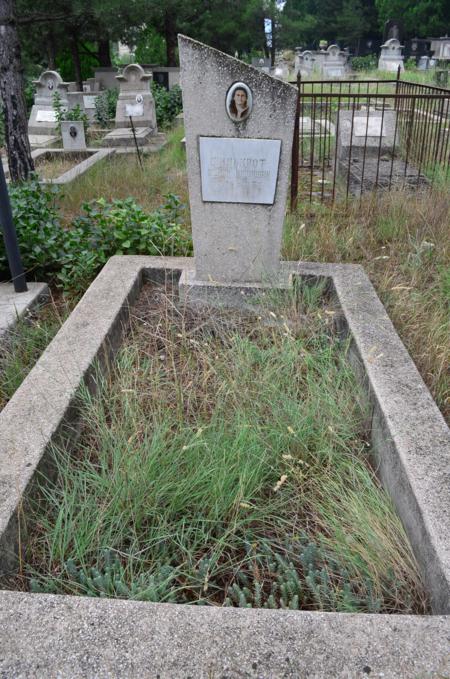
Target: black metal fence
{"type": "Point", "coordinates": [357, 136]}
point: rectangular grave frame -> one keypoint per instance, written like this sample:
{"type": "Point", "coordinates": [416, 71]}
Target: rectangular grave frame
{"type": "Point", "coordinates": [92, 157]}
{"type": "Point", "coordinates": [84, 637]}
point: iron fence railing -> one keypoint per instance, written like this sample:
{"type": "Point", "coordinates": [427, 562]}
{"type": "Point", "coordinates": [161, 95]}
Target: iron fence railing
{"type": "Point", "coordinates": [356, 136]}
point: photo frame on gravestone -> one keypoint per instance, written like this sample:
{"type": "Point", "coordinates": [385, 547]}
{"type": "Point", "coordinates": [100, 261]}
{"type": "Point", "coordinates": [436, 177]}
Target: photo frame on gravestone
{"type": "Point", "coordinates": [237, 170]}
{"type": "Point", "coordinates": [239, 102]}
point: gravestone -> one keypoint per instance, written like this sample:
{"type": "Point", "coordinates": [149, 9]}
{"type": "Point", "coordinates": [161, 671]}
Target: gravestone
{"type": "Point", "coordinates": [136, 102]}
{"type": "Point", "coordinates": [393, 29]}
{"type": "Point", "coordinates": [335, 63]}
{"type": "Point", "coordinates": [239, 126]}
{"type": "Point", "coordinates": [105, 77]}
{"type": "Point", "coordinates": [43, 115]}
{"type": "Point", "coordinates": [391, 56]}
{"type": "Point", "coordinates": [365, 134]}
{"type": "Point", "coordinates": [73, 137]}
{"type": "Point", "coordinates": [89, 106]}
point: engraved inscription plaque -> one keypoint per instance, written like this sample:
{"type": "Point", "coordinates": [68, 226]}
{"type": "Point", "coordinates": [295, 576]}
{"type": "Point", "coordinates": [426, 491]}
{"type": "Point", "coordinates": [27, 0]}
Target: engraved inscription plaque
{"type": "Point", "coordinates": [372, 125]}
{"type": "Point", "coordinates": [134, 110]}
{"type": "Point", "coordinates": [46, 117]}
{"type": "Point", "coordinates": [89, 100]}
{"type": "Point", "coordinates": [239, 170]}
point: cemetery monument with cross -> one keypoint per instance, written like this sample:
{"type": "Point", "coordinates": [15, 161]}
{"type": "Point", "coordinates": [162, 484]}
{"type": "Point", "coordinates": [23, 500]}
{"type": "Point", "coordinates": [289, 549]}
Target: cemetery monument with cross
{"type": "Point", "coordinates": [239, 126]}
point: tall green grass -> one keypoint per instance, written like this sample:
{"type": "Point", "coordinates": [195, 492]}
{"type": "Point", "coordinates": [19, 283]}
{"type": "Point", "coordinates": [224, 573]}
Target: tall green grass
{"type": "Point", "coordinates": [25, 343]}
{"type": "Point", "coordinates": [224, 462]}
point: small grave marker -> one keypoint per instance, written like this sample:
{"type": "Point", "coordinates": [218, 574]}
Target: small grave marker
{"type": "Point", "coordinates": [43, 116]}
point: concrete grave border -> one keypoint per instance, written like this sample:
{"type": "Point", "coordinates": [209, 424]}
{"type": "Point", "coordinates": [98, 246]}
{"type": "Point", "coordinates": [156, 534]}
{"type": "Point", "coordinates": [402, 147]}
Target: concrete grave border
{"type": "Point", "coordinates": [45, 636]}
{"type": "Point", "coordinates": [96, 155]}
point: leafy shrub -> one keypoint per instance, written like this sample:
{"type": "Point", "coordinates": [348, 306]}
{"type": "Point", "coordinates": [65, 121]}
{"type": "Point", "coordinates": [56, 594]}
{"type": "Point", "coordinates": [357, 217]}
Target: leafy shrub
{"type": "Point", "coordinates": [76, 113]}
{"type": "Point", "coordinates": [35, 215]}
{"type": "Point", "coordinates": [366, 63]}
{"type": "Point", "coordinates": [168, 104]}
{"type": "Point", "coordinates": [75, 255]}
{"type": "Point", "coordinates": [410, 64]}
{"type": "Point", "coordinates": [120, 228]}
{"type": "Point", "coordinates": [105, 106]}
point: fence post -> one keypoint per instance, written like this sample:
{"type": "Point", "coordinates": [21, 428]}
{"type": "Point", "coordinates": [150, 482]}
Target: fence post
{"type": "Point", "coordinates": [397, 85]}
{"type": "Point", "coordinates": [295, 150]}
{"type": "Point", "coordinates": [10, 237]}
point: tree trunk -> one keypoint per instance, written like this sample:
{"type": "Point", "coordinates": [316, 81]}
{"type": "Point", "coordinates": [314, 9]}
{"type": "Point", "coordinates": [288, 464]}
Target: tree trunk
{"type": "Point", "coordinates": [104, 55]}
{"type": "Point", "coordinates": [76, 60]}
{"type": "Point", "coordinates": [170, 34]}
{"type": "Point", "coordinates": [51, 51]}
{"type": "Point", "coordinates": [11, 94]}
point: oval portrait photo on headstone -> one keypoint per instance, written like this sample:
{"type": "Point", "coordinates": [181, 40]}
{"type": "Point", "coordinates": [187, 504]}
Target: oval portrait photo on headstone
{"type": "Point", "coordinates": [239, 102]}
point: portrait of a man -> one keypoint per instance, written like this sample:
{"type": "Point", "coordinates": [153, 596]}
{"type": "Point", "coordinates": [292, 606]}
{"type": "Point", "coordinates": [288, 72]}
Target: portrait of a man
{"type": "Point", "coordinates": [239, 102]}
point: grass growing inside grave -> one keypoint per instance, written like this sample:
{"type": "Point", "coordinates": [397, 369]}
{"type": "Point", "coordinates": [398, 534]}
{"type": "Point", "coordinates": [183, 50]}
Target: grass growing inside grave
{"type": "Point", "coordinates": [224, 462]}
{"type": "Point", "coordinates": [25, 343]}
{"type": "Point", "coordinates": [121, 176]}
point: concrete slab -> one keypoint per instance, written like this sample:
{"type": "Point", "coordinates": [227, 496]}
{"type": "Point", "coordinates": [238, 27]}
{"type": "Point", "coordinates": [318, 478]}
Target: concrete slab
{"type": "Point", "coordinates": [13, 305]}
{"type": "Point", "coordinates": [42, 635]}
{"type": "Point", "coordinates": [42, 141]}
{"type": "Point", "coordinates": [45, 636]}
{"type": "Point", "coordinates": [123, 136]}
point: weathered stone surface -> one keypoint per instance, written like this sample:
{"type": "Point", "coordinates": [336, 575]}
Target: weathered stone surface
{"type": "Point", "coordinates": [234, 242]}
{"type": "Point", "coordinates": [135, 99]}
{"type": "Point", "coordinates": [73, 137]}
{"type": "Point", "coordinates": [352, 141]}
{"type": "Point", "coordinates": [46, 636]}
{"type": "Point", "coordinates": [43, 116]}
{"type": "Point", "coordinates": [391, 56]}
{"type": "Point", "coordinates": [13, 305]}
{"type": "Point", "coordinates": [43, 636]}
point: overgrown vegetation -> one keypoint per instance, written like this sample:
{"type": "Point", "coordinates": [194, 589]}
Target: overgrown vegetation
{"type": "Point", "coordinates": [74, 255]}
{"type": "Point", "coordinates": [401, 239]}
{"type": "Point", "coordinates": [26, 342]}
{"type": "Point", "coordinates": [224, 462]}
{"type": "Point", "coordinates": [167, 105]}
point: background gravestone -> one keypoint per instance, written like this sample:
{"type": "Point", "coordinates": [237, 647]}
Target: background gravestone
{"type": "Point", "coordinates": [73, 137]}
{"type": "Point", "coordinates": [135, 98]}
{"type": "Point", "coordinates": [238, 168]}
{"type": "Point", "coordinates": [135, 101]}
{"type": "Point", "coordinates": [43, 115]}
{"type": "Point", "coordinates": [391, 56]}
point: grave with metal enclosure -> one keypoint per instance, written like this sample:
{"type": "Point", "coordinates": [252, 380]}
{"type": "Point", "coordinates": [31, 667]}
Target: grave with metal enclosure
{"type": "Point", "coordinates": [368, 135]}
{"type": "Point", "coordinates": [239, 144]}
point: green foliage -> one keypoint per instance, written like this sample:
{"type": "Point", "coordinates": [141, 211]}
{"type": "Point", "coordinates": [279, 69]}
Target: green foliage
{"type": "Point", "coordinates": [120, 228]}
{"type": "Point", "coordinates": [150, 47]}
{"type": "Point", "coordinates": [410, 64]}
{"type": "Point", "coordinates": [366, 63]}
{"type": "Point", "coordinates": [168, 104]}
{"type": "Point", "coordinates": [24, 344]}
{"type": "Point", "coordinates": [39, 232]}
{"type": "Point", "coordinates": [226, 460]}
{"type": "Point", "coordinates": [75, 255]}
{"type": "Point", "coordinates": [76, 113]}
{"type": "Point", "coordinates": [105, 106]}
{"type": "Point", "coordinates": [65, 67]}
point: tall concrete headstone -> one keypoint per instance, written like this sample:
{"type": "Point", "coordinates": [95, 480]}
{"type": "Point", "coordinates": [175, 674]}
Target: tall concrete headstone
{"type": "Point", "coordinates": [135, 108]}
{"type": "Point", "coordinates": [239, 126]}
{"type": "Point", "coordinates": [135, 98]}
{"type": "Point", "coordinates": [391, 56]}
{"type": "Point", "coordinates": [43, 115]}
